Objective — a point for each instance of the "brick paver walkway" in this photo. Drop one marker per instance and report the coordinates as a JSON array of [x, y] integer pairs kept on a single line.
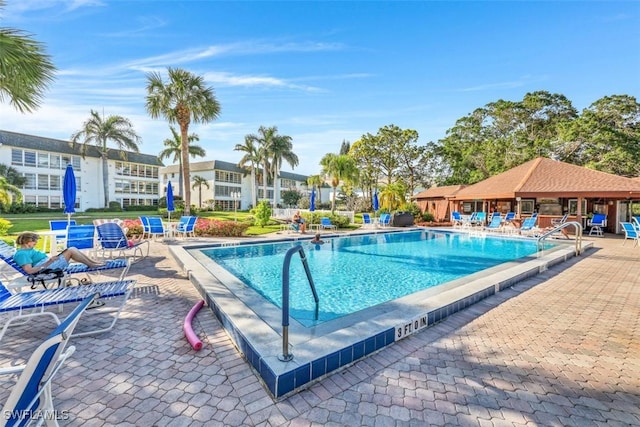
[[562, 349]]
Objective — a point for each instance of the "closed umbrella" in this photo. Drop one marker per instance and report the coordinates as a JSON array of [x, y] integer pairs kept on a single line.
[[170, 206], [312, 203], [69, 192], [376, 204]]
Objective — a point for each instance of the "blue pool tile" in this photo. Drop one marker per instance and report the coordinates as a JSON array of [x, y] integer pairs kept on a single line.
[[302, 375], [269, 378], [346, 356], [358, 350], [286, 383], [369, 345], [333, 361], [318, 368]]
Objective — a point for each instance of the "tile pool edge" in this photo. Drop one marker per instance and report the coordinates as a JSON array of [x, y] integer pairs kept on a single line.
[[317, 356]]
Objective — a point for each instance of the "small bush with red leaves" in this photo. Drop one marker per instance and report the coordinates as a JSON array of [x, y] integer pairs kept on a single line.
[[218, 228]]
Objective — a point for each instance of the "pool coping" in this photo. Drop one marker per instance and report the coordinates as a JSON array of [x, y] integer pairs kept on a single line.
[[255, 327]]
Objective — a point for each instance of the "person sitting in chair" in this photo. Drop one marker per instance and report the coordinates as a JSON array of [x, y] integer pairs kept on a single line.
[[299, 221], [33, 261]]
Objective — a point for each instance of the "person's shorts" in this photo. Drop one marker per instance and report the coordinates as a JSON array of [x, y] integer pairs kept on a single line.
[[61, 263]]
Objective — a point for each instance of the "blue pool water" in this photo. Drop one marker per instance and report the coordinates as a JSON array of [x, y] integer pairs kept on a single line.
[[357, 272]]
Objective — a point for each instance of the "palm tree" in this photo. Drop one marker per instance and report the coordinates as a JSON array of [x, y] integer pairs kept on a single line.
[[316, 181], [182, 99], [12, 175], [340, 167], [252, 158], [25, 69], [199, 181], [98, 131], [393, 196], [8, 190], [279, 150], [174, 148], [263, 141]]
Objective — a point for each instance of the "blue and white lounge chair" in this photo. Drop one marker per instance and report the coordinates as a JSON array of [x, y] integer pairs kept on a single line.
[[597, 223], [31, 395], [112, 241], [509, 217], [558, 221], [495, 224], [385, 220], [528, 226], [18, 277], [24, 305], [457, 219], [366, 220], [630, 232], [325, 223]]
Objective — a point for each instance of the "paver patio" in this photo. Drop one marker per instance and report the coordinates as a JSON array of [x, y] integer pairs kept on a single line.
[[561, 349]]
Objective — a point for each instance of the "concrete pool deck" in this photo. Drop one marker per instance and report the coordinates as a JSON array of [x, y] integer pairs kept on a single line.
[[561, 348]]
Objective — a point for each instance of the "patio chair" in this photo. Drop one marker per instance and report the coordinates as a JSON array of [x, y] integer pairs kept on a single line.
[[325, 223], [558, 221], [20, 278], [187, 226], [528, 226], [146, 228], [509, 217], [457, 219], [385, 220], [635, 222], [480, 218], [597, 223], [630, 232], [31, 396], [23, 306], [156, 227], [366, 220], [62, 226], [112, 241]]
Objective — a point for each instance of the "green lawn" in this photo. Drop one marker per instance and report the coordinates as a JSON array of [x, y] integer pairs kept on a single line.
[[40, 221]]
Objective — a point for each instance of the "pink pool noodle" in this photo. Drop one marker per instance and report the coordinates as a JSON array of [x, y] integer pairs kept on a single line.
[[188, 329]]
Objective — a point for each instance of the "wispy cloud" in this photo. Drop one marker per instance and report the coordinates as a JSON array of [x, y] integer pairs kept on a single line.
[[16, 9], [523, 81], [147, 25]]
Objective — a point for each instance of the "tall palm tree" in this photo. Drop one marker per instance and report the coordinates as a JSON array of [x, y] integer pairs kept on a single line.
[[316, 181], [199, 181], [12, 175], [25, 69], [183, 98], [252, 159], [263, 140], [279, 150], [339, 167], [99, 131], [174, 148]]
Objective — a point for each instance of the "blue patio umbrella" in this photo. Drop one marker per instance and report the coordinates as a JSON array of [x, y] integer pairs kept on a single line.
[[376, 204], [312, 203], [69, 192], [170, 206]]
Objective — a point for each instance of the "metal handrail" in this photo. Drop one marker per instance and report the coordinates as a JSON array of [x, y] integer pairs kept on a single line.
[[554, 230], [286, 356]]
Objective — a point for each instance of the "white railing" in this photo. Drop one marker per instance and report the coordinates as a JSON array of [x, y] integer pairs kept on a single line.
[[285, 214]]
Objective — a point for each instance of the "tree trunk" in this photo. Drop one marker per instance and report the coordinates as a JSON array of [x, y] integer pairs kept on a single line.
[[253, 186], [105, 179], [186, 174]]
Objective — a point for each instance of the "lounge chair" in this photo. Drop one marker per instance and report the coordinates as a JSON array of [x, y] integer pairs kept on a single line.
[[495, 224], [31, 396], [112, 241], [156, 227], [630, 232], [325, 223], [528, 226], [20, 278], [479, 219], [26, 305], [635, 222], [60, 225], [597, 223], [509, 217], [146, 228], [558, 221]]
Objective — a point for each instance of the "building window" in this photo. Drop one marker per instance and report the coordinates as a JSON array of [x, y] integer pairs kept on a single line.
[[54, 182], [55, 161], [43, 183], [30, 158], [231, 177], [16, 157], [43, 160], [30, 200], [55, 202], [30, 183]]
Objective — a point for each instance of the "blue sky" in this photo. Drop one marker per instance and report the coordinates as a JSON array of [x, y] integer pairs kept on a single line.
[[322, 72]]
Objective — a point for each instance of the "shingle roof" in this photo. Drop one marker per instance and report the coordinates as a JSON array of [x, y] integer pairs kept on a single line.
[[544, 177], [40, 143], [439, 192]]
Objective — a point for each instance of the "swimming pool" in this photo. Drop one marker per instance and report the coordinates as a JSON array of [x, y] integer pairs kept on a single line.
[[359, 272], [256, 325]]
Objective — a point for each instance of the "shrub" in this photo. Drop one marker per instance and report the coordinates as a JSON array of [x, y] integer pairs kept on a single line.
[[215, 227], [262, 213], [5, 225], [133, 227], [428, 217]]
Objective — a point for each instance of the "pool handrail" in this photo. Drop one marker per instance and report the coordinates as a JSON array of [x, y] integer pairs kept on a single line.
[[286, 356], [554, 230]]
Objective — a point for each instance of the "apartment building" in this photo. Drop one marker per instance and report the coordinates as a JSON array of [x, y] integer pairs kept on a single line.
[[133, 178]]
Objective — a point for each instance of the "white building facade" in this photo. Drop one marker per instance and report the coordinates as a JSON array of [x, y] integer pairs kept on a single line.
[[133, 177], [229, 186]]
